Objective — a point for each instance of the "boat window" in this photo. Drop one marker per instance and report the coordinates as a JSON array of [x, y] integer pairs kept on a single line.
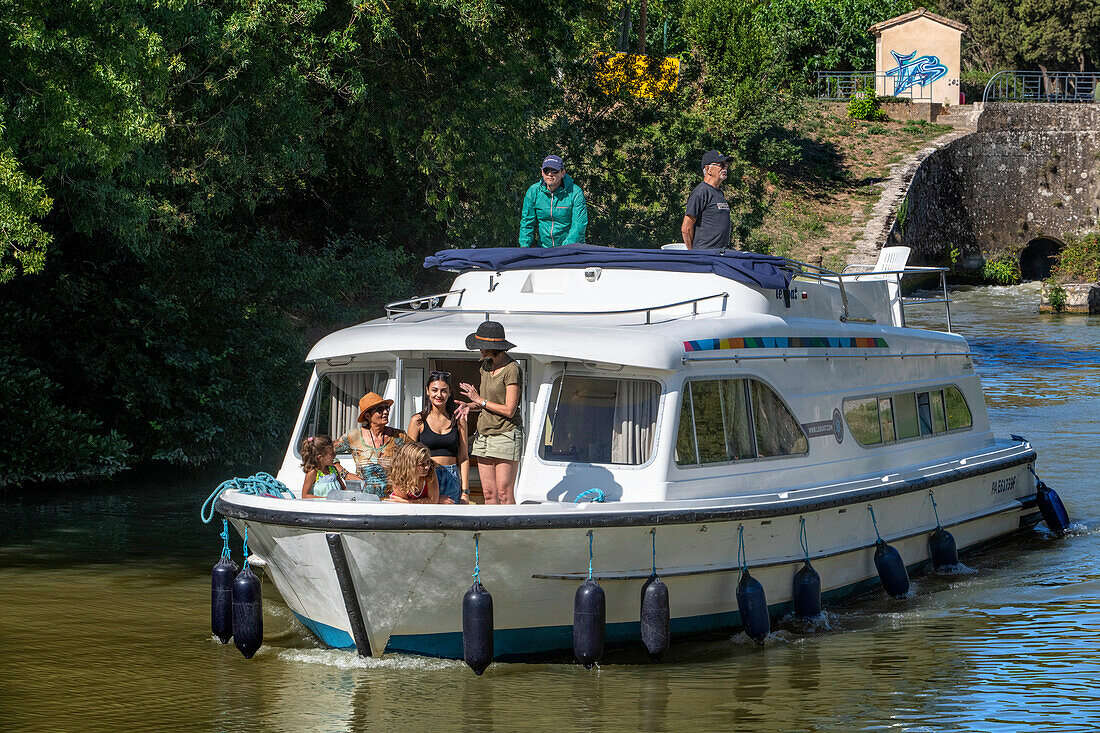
[[886, 419], [600, 420], [863, 421], [874, 421], [715, 424], [939, 424], [335, 406], [924, 412], [905, 415], [958, 414], [777, 432]]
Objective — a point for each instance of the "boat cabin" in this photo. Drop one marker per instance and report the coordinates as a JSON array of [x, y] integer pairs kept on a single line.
[[670, 376]]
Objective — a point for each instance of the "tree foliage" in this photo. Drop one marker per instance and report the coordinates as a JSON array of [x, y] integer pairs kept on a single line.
[[812, 35], [191, 191], [1029, 34]]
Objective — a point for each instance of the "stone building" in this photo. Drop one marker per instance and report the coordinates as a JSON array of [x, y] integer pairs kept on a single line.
[[918, 55]]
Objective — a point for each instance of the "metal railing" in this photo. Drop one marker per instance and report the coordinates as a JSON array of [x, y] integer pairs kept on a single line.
[[404, 307], [434, 303], [822, 274], [853, 273], [841, 86], [422, 303], [1042, 86]]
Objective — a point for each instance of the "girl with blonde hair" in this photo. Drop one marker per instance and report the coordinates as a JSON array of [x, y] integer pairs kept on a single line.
[[412, 477]]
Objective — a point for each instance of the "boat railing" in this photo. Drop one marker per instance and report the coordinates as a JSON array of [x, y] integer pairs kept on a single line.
[[863, 273], [433, 303], [422, 303]]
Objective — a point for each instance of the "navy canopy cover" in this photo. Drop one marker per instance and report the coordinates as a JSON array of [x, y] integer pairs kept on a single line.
[[765, 271]]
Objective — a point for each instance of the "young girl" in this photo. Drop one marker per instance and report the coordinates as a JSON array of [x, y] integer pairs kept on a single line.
[[323, 473], [412, 478], [444, 434]]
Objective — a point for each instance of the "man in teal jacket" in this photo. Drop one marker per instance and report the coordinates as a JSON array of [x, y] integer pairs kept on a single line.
[[557, 205]]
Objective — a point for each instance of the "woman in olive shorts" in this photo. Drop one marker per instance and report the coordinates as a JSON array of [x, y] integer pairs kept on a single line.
[[499, 440]]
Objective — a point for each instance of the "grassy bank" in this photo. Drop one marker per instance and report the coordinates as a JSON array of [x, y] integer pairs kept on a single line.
[[816, 213]]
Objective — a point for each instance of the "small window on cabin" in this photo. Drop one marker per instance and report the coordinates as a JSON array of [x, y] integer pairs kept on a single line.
[[924, 412], [863, 420], [958, 414], [334, 409], [874, 421], [939, 422], [600, 420], [905, 415], [777, 432], [715, 425], [886, 419]]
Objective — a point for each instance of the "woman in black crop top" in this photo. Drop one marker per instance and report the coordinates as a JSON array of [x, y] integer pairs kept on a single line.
[[445, 436]]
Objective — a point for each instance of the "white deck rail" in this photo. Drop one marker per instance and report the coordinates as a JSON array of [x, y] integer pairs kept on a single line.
[[413, 305]]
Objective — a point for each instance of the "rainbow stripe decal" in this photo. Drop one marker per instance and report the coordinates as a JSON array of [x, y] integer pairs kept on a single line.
[[786, 342]]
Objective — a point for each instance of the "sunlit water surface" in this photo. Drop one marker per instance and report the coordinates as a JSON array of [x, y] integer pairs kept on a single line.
[[104, 614]]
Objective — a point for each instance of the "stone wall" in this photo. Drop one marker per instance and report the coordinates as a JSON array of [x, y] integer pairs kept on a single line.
[[1030, 170]]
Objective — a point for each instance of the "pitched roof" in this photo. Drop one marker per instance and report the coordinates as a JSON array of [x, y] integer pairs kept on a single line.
[[919, 12]]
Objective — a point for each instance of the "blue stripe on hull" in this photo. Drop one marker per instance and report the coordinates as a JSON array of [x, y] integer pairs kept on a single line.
[[514, 644], [509, 644], [328, 635]]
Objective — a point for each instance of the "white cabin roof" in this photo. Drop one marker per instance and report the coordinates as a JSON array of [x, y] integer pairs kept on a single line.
[[562, 314]]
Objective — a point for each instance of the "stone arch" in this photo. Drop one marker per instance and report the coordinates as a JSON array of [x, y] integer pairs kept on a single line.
[[1037, 259]]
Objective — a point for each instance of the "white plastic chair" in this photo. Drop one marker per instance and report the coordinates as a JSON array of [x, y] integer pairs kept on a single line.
[[891, 259], [674, 245], [891, 262]]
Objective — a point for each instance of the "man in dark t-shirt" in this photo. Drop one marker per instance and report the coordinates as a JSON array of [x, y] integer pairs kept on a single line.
[[707, 219]]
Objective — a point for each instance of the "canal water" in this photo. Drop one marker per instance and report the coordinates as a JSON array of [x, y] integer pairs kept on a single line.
[[104, 613]]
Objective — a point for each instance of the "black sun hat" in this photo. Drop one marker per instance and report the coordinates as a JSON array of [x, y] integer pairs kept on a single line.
[[489, 335]]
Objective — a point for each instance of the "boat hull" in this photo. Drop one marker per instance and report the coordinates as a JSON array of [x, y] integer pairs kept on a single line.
[[406, 583]]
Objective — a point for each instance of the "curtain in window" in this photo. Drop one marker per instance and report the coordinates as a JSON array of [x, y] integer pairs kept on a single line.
[[634, 420], [346, 390]]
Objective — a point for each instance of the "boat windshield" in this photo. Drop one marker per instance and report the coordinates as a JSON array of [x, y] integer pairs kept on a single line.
[[600, 420], [334, 408]]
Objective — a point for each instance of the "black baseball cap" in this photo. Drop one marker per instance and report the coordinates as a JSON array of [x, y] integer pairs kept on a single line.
[[713, 156]]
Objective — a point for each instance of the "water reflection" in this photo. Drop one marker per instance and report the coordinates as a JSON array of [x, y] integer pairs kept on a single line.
[[105, 619], [1025, 358]]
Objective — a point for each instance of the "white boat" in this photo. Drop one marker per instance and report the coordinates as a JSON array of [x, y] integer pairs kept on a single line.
[[711, 399]]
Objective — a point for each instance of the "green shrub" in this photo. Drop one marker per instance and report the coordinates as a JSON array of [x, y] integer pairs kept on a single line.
[[876, 130], [972, 83], [865, 106], [1080, 260], [1003, 270], [1057, 295]]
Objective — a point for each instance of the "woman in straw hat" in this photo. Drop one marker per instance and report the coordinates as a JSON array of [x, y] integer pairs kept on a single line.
[[499, 440], [374, 443]]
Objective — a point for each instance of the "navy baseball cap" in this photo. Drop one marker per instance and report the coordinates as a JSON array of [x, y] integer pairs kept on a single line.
[[553, 161], [713, 156]]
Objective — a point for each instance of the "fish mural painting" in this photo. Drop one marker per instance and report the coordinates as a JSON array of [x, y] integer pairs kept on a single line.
[[913, 70]]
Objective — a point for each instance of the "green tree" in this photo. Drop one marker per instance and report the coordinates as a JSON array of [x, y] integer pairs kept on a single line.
[[1060, 34], [229, 178], [748, 98], [23, 242], [811, 35], [1029, 34]]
